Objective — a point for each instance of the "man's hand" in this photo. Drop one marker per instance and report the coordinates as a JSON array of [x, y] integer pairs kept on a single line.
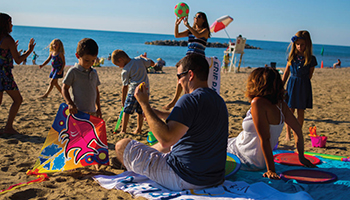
[[141, 94]]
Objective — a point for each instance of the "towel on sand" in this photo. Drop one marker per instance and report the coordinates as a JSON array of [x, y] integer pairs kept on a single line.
[[243, 185], [139, 185]]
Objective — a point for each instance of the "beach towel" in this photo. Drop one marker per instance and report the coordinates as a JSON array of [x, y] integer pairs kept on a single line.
[[214, 76], [244, 185], [138, 185]]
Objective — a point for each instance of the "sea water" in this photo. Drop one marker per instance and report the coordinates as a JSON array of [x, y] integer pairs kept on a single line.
[[134, 45]]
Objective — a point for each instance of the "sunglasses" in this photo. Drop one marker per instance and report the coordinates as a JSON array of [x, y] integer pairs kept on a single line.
[[198, 16], [181, 74]]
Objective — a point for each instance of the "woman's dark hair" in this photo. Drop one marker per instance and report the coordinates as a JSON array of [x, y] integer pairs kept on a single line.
[[265, 82], [205, 23]]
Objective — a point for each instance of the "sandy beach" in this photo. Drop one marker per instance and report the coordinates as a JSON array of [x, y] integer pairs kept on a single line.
[[330, 114]]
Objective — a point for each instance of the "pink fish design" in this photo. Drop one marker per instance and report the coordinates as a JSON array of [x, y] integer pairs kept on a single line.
[[79, 134]]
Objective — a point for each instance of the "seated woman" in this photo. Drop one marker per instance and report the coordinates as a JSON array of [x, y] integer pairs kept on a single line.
[[264, 123]]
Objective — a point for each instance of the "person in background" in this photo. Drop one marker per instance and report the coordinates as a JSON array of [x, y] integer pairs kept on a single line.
[[134, 72], [301, 65], [264, 122], [337, 64], [226, 62], [35, 56], [9, 53], [25, 60], [58, 63], [159, 65]]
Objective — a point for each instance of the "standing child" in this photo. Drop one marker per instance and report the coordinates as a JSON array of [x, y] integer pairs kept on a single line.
[[226, 62], [134, 72], [35, 56], [84, 81], [8, 52], [301, 64], [58, 62]]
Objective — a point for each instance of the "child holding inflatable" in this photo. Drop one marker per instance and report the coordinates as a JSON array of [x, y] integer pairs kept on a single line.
[[300, 66], [58, 63], [9, 52]]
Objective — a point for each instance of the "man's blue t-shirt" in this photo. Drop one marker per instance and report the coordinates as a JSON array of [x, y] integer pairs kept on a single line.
[[199, 157]]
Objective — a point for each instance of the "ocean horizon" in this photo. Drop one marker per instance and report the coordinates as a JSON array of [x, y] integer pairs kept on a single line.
[[134, 45]]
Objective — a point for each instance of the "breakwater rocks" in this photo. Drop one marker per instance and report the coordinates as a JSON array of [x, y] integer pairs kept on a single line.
[[183, 43]]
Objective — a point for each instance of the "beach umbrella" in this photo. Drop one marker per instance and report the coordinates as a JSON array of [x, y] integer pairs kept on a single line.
[[220, 24]]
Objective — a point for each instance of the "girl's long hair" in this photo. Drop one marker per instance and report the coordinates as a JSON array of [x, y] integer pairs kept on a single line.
[[60, 49], [4, 24], [305, 35]]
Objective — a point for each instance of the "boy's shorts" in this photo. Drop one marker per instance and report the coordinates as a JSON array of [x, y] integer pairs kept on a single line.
[[147, 161], [131, 105]]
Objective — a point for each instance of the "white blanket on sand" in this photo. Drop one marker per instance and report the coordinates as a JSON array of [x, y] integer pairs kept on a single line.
[[138, 185]]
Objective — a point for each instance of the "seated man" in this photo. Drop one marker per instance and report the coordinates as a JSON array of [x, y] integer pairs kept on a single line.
[[196, 130]]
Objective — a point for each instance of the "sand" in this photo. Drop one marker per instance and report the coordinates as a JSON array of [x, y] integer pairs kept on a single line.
[[330, 115]]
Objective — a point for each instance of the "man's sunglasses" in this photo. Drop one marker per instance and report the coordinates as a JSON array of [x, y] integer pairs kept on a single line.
[[181, 74]]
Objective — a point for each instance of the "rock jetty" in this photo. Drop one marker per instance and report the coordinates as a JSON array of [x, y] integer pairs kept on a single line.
[[183, 43]]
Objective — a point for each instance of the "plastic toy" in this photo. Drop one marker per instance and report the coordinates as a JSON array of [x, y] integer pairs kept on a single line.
[[332, 157], [119, 121], [181, 10], [316, 140], [151, 139]]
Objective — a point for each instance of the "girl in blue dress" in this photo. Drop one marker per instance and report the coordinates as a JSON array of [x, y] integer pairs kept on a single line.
[[300, 66], [58, 62], [8, 54]]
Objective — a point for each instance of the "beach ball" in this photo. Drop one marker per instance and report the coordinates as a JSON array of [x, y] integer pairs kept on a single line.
[[182, 10]]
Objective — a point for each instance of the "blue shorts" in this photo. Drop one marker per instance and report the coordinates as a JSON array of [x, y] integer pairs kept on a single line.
[[131, 105]]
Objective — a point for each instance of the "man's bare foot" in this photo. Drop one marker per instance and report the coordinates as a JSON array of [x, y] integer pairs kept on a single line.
[[122, 132], [114, 162]]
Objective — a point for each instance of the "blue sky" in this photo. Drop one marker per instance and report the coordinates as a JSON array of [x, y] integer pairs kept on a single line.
[[272, 20]]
